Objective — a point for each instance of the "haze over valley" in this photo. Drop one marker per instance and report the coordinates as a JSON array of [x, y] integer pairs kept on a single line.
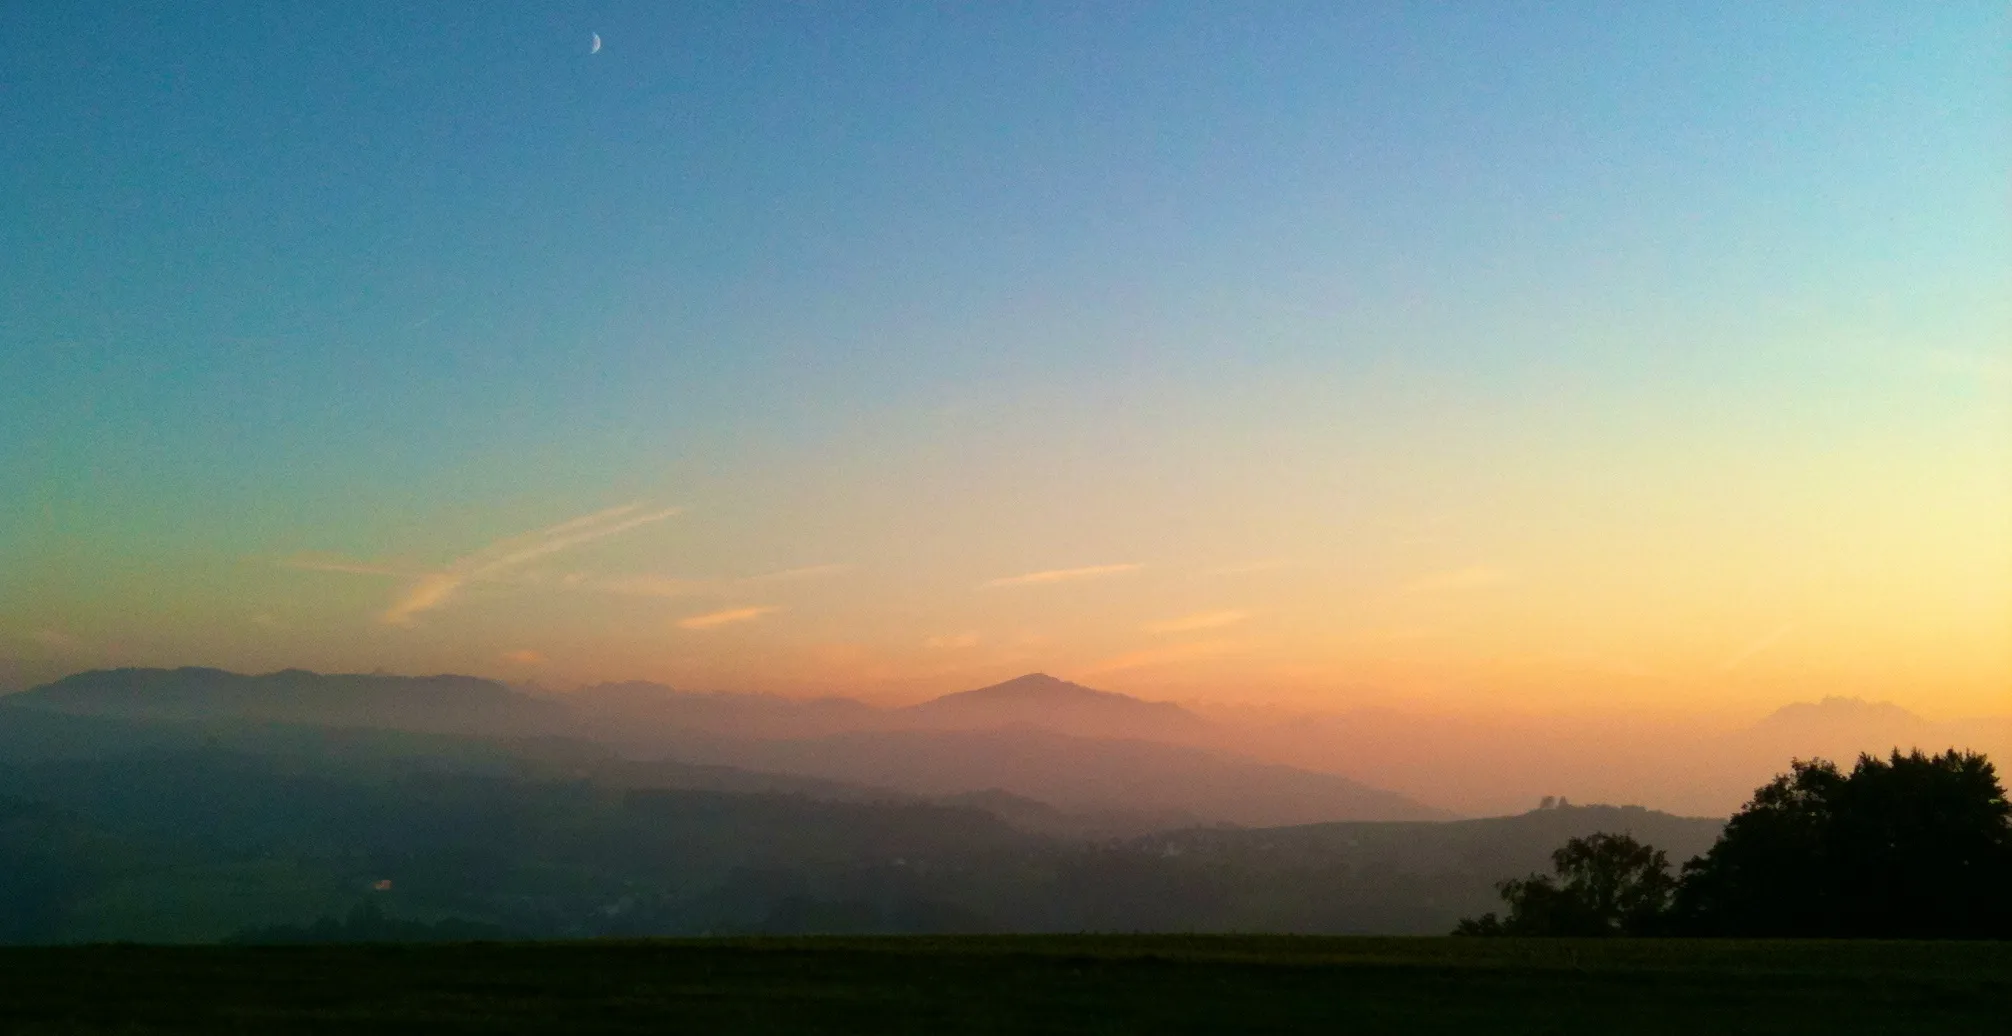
[[561, 470], [1068, 746]]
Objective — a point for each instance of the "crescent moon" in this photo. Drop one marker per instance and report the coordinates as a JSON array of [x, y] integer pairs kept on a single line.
[[596, 48]]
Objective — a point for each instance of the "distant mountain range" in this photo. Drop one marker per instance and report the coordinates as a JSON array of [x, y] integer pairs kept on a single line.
[[1485, 764], [1038, 699], [444, 704], [1133, 764], [195, 804], [1840, 729], [1073, 748]]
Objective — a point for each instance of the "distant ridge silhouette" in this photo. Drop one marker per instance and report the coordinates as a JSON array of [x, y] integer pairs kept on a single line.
[[443, 703], [1035, 687], [1839, 711], [1040, 700], [1082, 750]]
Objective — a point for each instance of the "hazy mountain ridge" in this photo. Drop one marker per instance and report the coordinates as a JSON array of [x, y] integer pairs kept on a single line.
[[1017, 737], [636, 708], [1076, 774], [1038, 699], [1475, 765], [1498, 764], [1840, 728], [445, 703]]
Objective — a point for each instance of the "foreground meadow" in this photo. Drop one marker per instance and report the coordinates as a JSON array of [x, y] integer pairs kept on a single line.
[[1088, 984]]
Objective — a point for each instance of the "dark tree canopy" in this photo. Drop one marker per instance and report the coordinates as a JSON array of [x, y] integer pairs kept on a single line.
[[1606, 884], [1915, 846]]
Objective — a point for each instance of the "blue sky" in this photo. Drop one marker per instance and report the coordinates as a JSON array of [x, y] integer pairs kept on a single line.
[[898, 286]]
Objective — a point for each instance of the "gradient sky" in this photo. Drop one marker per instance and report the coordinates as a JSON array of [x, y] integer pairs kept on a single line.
[[1478, 355]]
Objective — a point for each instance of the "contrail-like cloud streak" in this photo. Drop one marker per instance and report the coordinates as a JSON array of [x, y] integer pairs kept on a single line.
[[433, 589], [344, 566], [1198, 621], [1739, 658], [713, 620], [1062, 575]]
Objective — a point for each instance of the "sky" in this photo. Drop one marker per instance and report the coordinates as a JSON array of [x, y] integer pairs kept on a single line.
[[1472, 357]]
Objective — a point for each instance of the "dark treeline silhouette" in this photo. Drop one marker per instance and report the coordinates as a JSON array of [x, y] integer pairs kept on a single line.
[[1914, 846], [1607, 884]]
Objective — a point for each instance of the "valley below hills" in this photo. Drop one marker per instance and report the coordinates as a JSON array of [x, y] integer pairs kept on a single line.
[[197, 805]]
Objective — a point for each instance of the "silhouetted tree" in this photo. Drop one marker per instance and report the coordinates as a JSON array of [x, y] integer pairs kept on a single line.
[[1915, 846], [1606, 884]]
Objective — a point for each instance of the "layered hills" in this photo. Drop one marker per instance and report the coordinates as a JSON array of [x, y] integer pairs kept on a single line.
[[1041, 700], [446, 703], [198, 805], [1081, 751], [1042, 738]]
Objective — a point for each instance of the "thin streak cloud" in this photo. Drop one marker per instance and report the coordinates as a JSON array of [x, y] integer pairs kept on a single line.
[[671, 586], [1740, 657], [1169, 655], [1197, 621], [434, 589], [1247, 568], [791, 575], [310, 563], [714, 620], [1061, 575]]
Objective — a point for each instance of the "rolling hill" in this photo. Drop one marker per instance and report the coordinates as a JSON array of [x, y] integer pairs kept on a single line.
[[1040, 700], [1076, 749], [443, 704]]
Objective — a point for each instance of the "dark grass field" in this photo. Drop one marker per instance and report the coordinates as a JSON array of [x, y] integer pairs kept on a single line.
[[1088, 984]]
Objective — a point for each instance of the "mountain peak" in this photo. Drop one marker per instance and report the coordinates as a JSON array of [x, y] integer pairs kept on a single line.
[[1038, 699], [434, 703], [1035, 687], [1841, 710]]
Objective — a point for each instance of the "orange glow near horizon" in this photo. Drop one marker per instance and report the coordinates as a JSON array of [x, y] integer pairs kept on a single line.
[[1386, 357]]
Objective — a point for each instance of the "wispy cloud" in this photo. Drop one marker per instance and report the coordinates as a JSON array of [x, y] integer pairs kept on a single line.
[[1062, 575], [325, 563], [672, 586], [1197, 621], [524, 656], [713, 620], [951, 642], [1168, 655], [1246, 568], [792, 575], [1397, 634], [1739, 658], [433, 589], [1472, 578], [503, 562]]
